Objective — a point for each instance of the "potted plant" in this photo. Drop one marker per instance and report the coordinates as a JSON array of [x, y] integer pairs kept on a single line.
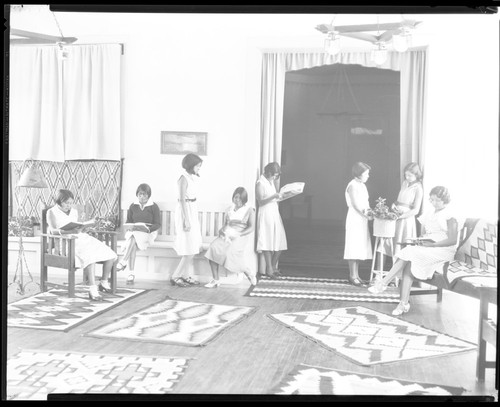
[[384, 219]]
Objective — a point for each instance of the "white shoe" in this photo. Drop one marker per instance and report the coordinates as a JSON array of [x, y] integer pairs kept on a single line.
[[377, 288], [401, 309], [213, 283]]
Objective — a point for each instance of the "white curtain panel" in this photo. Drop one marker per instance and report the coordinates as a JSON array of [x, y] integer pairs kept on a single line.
[[65, 110], [91, 96], [35, 104]]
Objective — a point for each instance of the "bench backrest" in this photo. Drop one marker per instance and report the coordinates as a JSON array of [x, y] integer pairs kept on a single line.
[[211, 217], [478, 244]]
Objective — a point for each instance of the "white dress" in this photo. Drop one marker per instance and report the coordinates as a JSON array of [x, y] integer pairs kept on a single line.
[[358, 245], [142, 239], [187, 243], [407, 200], [270, 230], [88, 249], [238, 255], [425, 260]]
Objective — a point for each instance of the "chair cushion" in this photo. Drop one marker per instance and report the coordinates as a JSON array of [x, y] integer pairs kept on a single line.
[[480, 249], [458, 270]]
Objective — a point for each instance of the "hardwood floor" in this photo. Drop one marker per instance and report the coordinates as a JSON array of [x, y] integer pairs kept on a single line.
[[257, 353]]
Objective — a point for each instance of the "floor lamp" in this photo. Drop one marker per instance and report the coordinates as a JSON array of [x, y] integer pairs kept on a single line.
[[32, 177]]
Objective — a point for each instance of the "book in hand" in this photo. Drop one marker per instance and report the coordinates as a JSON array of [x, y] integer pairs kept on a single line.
[[74, 225], [290, 190], [417, 241], [138, 226]]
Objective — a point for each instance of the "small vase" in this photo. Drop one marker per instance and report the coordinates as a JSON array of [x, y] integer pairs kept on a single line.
[[384, 227]]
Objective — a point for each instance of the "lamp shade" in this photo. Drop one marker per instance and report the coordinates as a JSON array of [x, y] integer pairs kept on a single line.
[[32, 178]]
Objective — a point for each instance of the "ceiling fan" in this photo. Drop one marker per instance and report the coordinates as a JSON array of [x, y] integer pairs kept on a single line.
[[21, 37], [385, 31]]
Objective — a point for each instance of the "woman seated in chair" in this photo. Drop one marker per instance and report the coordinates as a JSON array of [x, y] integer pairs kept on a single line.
[[234, 247], [440, 229], [136, 237], [88, 250]]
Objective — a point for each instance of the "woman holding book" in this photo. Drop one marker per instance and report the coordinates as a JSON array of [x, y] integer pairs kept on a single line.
[[143, 223], [187, 226], [408, 205], [419, 260], [234, 247], [271, 237], [358, 245], [88, 249]]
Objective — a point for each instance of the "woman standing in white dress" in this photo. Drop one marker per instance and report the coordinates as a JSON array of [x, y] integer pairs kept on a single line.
[[408, 205], [358, 244], [187, 226], [271, 237], [88, 249], [234, 247], [420, 261]]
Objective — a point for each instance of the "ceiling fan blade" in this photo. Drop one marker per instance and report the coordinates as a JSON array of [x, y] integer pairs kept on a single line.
[[384, 37], [41, 38], [324, 28], [361, 36]]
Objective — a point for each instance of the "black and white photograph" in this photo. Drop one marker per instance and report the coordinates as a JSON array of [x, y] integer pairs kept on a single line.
[[237, 201]]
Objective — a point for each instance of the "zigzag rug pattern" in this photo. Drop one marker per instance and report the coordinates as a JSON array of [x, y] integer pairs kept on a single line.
[[369, 337], [175, 322], [304, 379], [54, 310], [319, 288], [32, 375]]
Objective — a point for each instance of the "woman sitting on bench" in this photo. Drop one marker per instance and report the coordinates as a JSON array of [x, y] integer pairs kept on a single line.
[[420, 258]]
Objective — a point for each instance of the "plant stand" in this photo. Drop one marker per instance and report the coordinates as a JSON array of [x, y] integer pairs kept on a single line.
[[384, 231]]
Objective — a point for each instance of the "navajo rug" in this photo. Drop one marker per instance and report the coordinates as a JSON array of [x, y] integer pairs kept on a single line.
[[175, 322], [54, 310], [32, 375], [319, 288], [304, 379], [369, 337]]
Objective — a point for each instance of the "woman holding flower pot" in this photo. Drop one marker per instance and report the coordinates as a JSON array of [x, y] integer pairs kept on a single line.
[[358, 244]]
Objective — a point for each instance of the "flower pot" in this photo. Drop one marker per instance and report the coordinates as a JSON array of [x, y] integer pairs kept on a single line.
[[384, 227]]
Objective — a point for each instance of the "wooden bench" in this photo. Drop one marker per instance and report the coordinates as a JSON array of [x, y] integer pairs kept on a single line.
[[473, 272], [159, 260]]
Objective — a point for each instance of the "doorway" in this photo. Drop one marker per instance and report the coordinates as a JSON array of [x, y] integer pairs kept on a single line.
[[334, 116]]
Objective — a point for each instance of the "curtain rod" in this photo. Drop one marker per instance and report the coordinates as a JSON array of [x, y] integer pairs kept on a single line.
[[72, 45]]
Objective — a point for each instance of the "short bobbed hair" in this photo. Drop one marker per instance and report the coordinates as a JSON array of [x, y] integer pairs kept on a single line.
[[63, 195], [441, 193], [143, 188], [415, 169], [243, 194], [359, 168], [272, 169], [190, 161]]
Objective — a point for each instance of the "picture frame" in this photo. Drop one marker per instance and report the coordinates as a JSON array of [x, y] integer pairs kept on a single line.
[[184, 142]]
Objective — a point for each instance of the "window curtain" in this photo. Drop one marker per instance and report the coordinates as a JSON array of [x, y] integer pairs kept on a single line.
[[411, 64], [65, 110]]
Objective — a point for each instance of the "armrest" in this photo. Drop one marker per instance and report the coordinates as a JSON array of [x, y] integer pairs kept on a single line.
[[64, 237]]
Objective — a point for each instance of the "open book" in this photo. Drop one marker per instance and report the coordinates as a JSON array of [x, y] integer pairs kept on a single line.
[[417, 241], [139, 226], [292, 189], [73, 225]]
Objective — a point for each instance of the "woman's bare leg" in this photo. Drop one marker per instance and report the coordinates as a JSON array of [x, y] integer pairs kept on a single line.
[[276, 259], [406, 283], [180, 268], [353, 269], [269, 262], [396, 269], [215, 269]]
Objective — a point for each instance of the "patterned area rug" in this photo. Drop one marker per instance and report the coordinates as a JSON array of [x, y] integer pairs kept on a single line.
[[319, 288], [54, 310], [175, 322], [369, 337], [31, 375], [304, 379]]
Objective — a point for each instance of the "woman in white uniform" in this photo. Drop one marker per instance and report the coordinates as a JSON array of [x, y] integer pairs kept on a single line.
[[440, 226], [88, 249], [358, 245], [271, 237], [187, 226]]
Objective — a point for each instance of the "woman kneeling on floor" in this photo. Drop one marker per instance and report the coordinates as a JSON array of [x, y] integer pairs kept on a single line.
[[440, 227], [234, 247]]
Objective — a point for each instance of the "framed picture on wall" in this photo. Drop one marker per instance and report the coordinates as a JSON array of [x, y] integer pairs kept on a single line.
[[183, 142]]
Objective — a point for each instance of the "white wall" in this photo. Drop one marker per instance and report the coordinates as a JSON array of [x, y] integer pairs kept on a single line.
[[189, 72]]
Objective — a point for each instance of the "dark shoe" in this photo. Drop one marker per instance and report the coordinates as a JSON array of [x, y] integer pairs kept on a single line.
[[190, 281], [272, 276], [179, 282], [277, 273], [103, 289], [357, 282]]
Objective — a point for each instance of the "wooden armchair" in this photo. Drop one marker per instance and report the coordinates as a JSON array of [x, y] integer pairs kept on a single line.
[[487, 332], [59, 251]]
